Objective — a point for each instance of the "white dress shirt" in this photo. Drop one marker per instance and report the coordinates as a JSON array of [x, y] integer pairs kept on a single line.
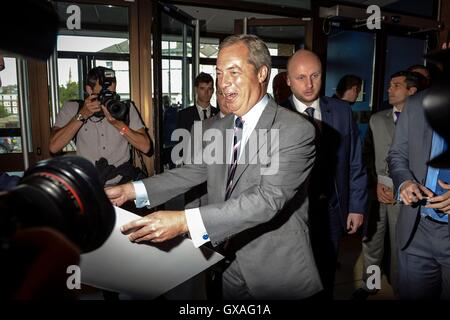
[[194, 219], [395, 109], [301, 107], [200, 111]]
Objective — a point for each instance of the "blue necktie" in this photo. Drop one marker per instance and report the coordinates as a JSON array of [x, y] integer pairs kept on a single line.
[[238, 125], [205, 115], [397, 115], [310, 112]]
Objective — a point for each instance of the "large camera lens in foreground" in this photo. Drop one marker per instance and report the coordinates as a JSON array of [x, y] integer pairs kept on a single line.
[[63, 193]]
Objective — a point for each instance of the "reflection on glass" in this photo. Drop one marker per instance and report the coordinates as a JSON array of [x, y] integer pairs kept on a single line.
[[10, 145], [9, 107], [68, 87]]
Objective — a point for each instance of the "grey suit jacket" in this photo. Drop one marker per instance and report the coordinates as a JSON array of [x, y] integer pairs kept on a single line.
[[266, 215], [408, 158], [382, 129]]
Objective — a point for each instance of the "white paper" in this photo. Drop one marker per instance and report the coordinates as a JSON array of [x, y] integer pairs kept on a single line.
[[143, 270]]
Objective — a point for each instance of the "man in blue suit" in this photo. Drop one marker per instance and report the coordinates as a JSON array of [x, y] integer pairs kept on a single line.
[[338, 185]]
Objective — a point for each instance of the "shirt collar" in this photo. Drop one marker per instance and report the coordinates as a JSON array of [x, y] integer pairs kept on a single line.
[[252, 116], [395, 109], [301, 107]]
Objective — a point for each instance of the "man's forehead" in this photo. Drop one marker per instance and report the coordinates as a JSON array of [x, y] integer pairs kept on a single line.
[[400, 80], [205, 84]]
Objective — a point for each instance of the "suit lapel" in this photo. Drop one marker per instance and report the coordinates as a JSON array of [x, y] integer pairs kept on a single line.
[[196, 116], [427, 141], [265, 122], [389, 124], [325, 110]]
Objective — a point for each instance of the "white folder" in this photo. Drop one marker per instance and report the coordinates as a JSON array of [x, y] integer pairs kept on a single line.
[[143, 270]]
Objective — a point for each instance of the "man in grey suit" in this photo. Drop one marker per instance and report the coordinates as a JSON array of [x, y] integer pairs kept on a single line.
[[259, 215], [384, 210], [423, 234]]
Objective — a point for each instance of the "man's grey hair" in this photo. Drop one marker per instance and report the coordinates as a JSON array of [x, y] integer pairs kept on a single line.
[[258, 53]]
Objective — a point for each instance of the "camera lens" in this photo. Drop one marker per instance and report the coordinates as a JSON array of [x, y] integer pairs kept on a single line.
[[117, 109], [63, 193]]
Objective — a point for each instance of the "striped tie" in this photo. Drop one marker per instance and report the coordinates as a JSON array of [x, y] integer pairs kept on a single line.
[[238, 124]]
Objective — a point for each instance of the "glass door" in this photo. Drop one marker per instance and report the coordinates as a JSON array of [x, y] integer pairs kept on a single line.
[[174, 52]]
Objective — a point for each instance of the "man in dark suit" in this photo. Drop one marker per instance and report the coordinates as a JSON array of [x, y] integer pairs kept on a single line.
[[338, 188], [423, 234], [202, 109], [260, 214]]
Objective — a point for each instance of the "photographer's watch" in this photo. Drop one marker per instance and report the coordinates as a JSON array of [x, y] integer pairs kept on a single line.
[[80, 117]]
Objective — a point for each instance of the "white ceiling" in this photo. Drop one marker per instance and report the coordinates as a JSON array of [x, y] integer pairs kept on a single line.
[[218, 20]]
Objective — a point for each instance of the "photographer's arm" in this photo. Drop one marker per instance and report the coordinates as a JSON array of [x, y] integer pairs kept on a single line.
[[138, 138], [61, 136]]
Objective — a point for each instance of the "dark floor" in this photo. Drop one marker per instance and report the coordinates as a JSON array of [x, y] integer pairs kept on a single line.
[[348, 276]]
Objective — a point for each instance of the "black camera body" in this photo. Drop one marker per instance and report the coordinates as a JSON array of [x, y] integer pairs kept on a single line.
[[111, 100]]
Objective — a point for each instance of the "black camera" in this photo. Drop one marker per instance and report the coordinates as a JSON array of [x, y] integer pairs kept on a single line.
[[111, 100], [62, 193]]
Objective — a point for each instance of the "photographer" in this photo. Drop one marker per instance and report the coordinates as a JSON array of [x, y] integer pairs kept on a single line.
[[100, 137]]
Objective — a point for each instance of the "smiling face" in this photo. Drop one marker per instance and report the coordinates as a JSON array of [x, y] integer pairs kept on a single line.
[[305, 76], [241, 84]]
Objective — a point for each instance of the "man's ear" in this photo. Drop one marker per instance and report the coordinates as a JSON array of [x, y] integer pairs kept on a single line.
[[263, 73], [288, 81], [412, 91], [88, 89]]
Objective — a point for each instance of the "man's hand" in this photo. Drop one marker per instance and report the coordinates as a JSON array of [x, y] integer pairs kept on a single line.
[[113, 121], [412, 192], [120, 194], [385, 194], [354, 221], [91, 105], [441, 202], [156, 227]]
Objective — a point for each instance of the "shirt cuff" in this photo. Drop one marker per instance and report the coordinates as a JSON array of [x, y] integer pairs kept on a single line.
[[398, 191], [196, 227], [141, 194]]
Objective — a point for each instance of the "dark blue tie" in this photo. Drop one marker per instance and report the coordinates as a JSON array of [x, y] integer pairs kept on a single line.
[[310, 112], [397, 115], [238, 125], [205, 115]]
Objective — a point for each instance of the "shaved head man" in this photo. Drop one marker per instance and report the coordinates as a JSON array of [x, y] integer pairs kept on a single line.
[[305, 78], [338, 184]]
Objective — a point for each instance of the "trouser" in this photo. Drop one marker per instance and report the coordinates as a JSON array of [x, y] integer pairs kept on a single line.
[[382, 220], [424, 266], [326, 233]]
